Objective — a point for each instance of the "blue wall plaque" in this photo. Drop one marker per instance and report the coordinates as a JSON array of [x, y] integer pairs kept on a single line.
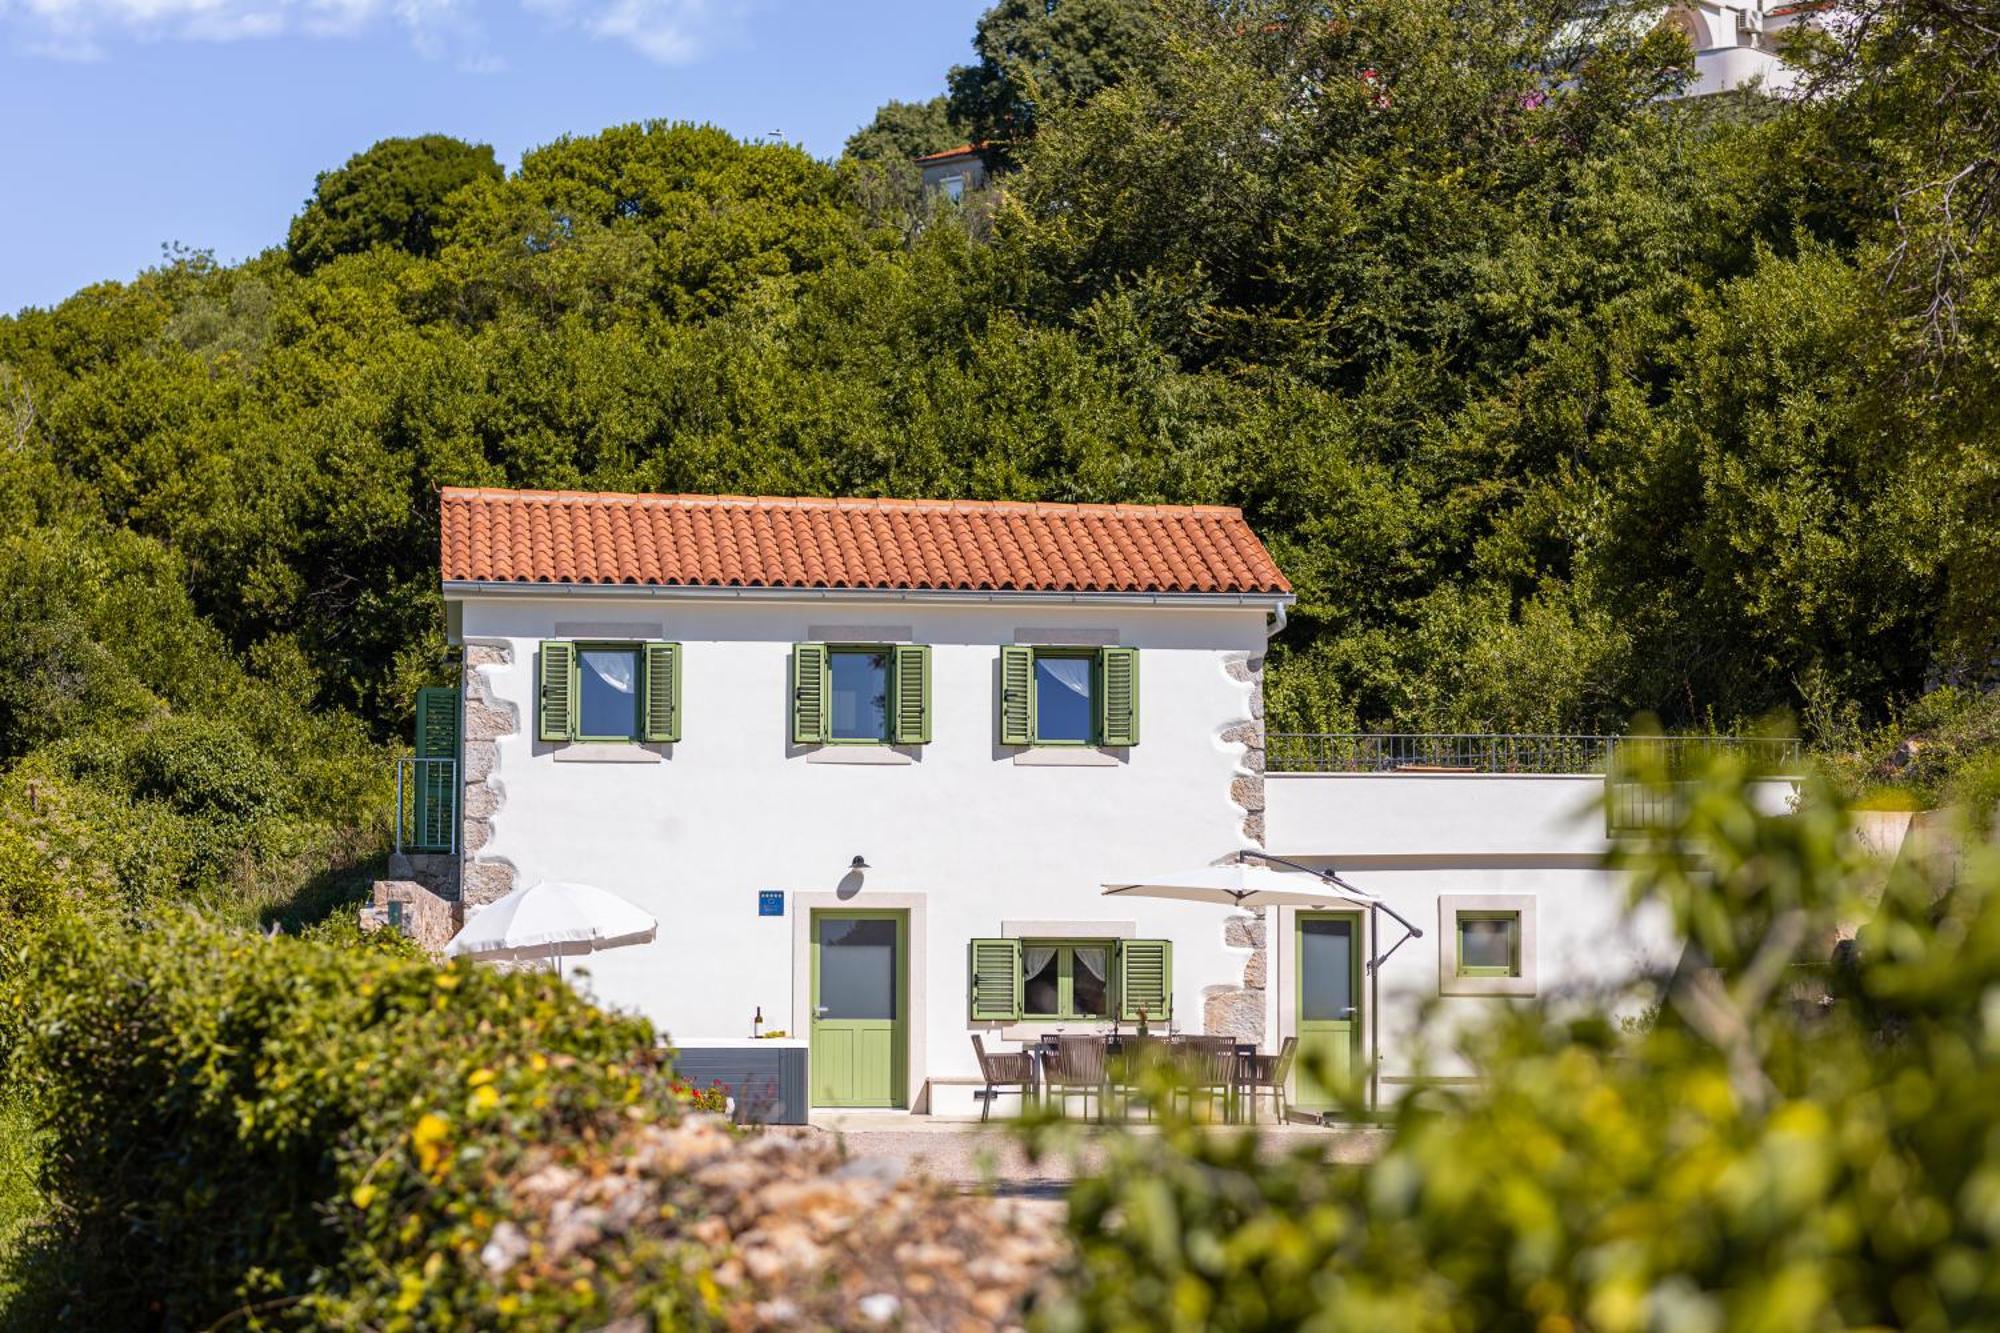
[[770, 902]]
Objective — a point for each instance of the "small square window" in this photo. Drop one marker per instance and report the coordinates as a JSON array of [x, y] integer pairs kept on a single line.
[[1489, 944], [1065, 698], [954, 188], [859, 683], [608, 694]]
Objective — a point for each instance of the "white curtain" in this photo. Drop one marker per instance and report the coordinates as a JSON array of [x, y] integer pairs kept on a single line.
[[1092, 961], [1072, 673], [1035, 957], [614, 669]]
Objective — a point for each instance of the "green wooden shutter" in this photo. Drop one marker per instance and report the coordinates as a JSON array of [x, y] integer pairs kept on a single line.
[[558, 688], [437, 777], [1017, 695], [1145, 979], [996, 979], [663, 691], [809, 693], [911, 722], [1118, 696], [437, 722]]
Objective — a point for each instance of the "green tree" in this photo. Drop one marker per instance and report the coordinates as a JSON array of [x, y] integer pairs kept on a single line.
[[393, 194], [1037, 55]]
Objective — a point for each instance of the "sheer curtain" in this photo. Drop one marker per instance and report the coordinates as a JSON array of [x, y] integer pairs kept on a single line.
[[614, 669], [1072, 673], [1035, 957], [1091, 960]]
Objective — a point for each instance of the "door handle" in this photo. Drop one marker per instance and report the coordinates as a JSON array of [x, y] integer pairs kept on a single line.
[[1348, 1012], [819, 1011]]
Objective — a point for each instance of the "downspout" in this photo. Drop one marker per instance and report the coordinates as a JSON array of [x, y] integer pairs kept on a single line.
[[1277, 624], [1374, 1013]]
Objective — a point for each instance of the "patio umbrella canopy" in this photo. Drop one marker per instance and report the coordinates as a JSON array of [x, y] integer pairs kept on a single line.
[[551, 919], [1241, 884]]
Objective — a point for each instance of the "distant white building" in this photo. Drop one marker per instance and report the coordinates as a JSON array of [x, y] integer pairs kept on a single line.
[[1736, 42], [871, 762]]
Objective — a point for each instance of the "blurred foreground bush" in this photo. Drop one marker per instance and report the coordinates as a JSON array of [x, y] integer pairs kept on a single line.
[[1788, 1147], [291, 1131]]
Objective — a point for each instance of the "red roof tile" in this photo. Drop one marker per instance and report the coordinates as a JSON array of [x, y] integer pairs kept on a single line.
[[727, 541], [963, 150]]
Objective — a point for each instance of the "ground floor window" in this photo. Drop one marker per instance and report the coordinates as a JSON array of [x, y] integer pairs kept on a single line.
[[1063, 980], [1489, 944], [1486, 944], [1075, 979]]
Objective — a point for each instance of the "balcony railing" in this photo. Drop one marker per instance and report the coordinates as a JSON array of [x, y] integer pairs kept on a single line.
[[1629, 802], [426, 805], [1521, 752]]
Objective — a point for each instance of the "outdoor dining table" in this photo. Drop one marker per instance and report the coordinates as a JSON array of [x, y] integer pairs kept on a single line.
[[1242, 1062]]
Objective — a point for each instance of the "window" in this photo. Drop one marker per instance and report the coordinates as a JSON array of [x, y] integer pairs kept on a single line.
[[1069, 696], [1489, 944], [1065, 697], [856, 694], [954, 188], [1081, 980], [1065, 980], [609, 691], [1486, 944], [858, 680]]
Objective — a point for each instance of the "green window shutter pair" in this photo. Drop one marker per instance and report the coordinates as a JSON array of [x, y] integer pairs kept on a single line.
[[1144, 969], [909, 694], [1117, 695], [660, 705]]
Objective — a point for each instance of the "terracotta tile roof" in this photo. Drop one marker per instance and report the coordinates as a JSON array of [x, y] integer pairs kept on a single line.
[[963, 150], [493, 536]]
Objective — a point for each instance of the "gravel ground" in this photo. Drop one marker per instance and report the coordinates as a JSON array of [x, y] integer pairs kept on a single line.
[[973, 1156]]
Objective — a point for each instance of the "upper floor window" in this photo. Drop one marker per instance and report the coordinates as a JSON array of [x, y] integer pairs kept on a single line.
[[609, 691], [861, 694], [858, 681], [1069, 696]]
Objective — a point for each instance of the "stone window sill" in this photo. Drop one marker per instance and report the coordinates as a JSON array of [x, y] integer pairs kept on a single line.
[[585, 752], [1068, 756], [860, 754]]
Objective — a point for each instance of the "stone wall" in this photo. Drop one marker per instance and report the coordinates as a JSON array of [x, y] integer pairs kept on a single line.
[[1238, 1010], [428, 917], [487, 719]]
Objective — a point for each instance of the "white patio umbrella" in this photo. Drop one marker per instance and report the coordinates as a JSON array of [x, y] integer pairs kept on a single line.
[[1248, 882], [549, 920]]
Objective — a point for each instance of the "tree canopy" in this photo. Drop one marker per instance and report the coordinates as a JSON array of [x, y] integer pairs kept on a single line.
[[393, 194]]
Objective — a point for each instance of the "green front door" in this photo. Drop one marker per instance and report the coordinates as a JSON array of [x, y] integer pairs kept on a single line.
[[1328, 948], [860, 990]]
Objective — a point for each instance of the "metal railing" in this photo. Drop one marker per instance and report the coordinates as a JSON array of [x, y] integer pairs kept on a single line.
[[1491, 752], [426, 804]]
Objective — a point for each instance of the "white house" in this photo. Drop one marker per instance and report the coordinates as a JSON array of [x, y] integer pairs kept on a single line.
[[870, 762], [1738, 42]]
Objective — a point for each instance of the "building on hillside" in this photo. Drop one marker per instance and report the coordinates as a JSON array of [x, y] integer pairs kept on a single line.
[[1736, 42], [871, 762], [956, 172]]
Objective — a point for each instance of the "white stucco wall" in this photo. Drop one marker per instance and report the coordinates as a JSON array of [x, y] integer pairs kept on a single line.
[[1412, 838], [976, 838]]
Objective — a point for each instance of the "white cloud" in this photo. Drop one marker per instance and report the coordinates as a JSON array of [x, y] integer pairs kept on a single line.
[[668, 31]]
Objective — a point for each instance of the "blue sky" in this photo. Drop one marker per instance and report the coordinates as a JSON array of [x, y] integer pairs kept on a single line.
[[140, 122]]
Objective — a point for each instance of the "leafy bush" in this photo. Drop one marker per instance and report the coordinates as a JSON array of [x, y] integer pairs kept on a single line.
[[295, 1130], [1753, 1159]]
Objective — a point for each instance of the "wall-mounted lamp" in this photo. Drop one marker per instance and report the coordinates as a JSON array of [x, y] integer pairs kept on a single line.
[[859, 863]]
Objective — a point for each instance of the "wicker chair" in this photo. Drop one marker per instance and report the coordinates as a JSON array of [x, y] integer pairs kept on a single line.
[[1267, 1073], [1003, 1072], [1136, 1057], [1207, 1068], [1078, 1069]]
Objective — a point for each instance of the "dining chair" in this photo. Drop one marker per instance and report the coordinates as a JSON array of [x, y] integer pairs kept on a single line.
[[1078, 1069], [1004, 1072], [1267, 1073], [1207, 1069]]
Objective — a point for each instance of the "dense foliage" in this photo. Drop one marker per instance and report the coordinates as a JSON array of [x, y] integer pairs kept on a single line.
[[302, 1132], [1769, 1154]]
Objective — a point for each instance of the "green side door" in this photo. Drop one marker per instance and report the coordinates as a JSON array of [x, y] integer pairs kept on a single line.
[[860, 996], [1327, 946]]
